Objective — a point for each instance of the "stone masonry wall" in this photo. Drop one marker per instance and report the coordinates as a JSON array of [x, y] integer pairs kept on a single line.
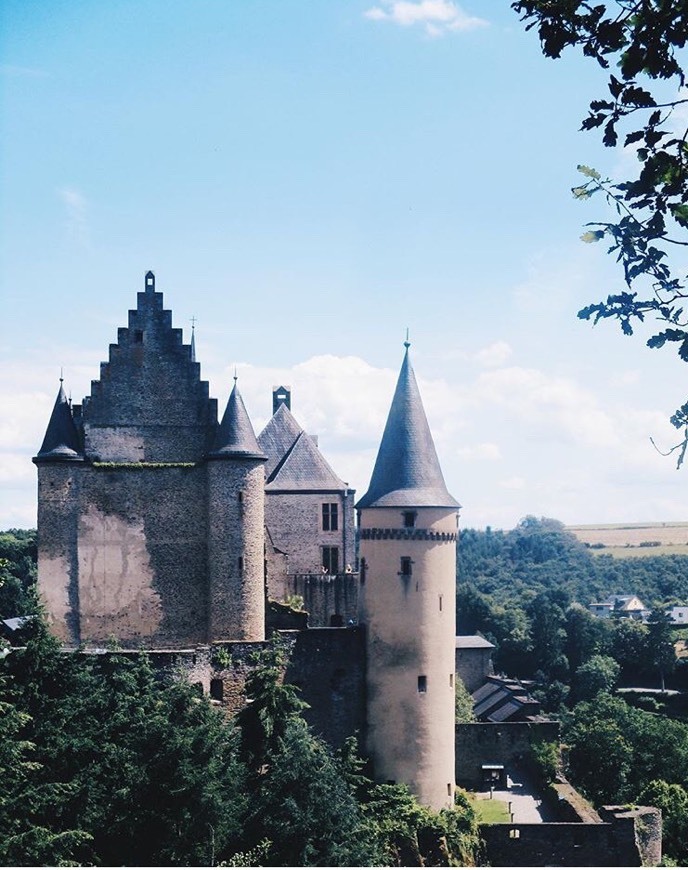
[[628, 839], [507, 743], [142, 550], [327, 665], [236, 550], [58, 501], [295, 523]]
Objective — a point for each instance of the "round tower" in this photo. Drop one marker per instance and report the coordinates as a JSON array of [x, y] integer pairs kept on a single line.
[[407, 533], [60, 462], [236, 517]]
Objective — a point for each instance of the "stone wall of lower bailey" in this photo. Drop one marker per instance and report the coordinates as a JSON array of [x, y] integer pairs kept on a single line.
[[327, 665], [507, 743], [628, 838]]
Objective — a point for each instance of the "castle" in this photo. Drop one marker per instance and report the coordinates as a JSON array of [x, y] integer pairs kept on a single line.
[[166, 530]]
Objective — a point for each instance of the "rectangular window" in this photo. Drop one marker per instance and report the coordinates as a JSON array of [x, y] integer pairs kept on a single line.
[[330, 518], [405, 569], [330, 560], [240, 562], [449, 789], [409, 519], [451, 681], [440, 602], [422, 683]]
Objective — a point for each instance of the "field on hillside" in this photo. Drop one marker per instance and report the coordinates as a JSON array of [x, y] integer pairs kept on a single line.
[[627, 540]]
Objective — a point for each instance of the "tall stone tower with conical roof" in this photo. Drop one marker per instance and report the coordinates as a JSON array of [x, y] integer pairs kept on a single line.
[[408, 531], [235, 528]]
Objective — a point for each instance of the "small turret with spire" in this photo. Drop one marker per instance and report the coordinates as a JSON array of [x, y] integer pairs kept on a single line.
[[61, 441], [236, 520]]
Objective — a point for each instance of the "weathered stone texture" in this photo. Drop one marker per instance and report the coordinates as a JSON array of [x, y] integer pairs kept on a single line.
[[409, 615], [624, 839], [143, 556], [236, 550], [58, 583], [149, 403], [295, 523], [507, 743]]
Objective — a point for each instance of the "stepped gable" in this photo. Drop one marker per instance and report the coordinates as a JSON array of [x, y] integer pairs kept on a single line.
[[407, 472], [277, 438], [235, 436], [304, 468], [61, 440], [150, 383]]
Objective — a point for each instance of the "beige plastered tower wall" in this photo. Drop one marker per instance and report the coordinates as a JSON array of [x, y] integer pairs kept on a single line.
[[407, 548], [410, 627]]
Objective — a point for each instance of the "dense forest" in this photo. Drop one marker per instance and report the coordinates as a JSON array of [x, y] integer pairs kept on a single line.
[[527, 591]]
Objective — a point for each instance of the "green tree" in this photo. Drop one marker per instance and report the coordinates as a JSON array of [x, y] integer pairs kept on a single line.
[[599, 756], [629, 646], [17, 573], [463, 702], [598, 674], [642, 40], [150, 773], [660, 643], [672, 800]]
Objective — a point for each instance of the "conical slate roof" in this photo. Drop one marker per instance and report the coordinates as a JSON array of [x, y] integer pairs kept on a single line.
[[235, 438], [407, 472], [304, 467], [61, 438]]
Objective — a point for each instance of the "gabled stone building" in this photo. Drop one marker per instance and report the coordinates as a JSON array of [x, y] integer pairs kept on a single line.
[[165, 530]]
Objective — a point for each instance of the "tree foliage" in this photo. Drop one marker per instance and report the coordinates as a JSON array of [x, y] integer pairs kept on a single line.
[[102, 764], [641, 43], [615, 750]]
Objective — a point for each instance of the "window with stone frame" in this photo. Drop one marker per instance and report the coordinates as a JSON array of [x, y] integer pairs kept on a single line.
[[330, 560], [330, 517]]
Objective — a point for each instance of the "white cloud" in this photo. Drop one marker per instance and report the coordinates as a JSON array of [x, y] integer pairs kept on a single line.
[[495, 354], [514, 482], [436, 16], [484, 451], [76, 207]]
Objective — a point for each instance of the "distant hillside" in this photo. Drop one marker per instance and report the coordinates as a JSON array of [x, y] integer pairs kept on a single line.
[[629, 540]]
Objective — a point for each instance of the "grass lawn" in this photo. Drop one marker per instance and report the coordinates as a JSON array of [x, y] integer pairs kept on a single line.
[[491, 812]]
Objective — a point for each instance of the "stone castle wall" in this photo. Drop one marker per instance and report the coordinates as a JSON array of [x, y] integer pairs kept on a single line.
[[295, 523], [507, 743], [628, 838]]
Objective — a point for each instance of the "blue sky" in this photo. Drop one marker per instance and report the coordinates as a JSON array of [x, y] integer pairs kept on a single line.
[[308, 180]]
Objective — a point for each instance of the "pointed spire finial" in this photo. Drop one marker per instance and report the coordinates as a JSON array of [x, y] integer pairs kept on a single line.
[[236, 376], [407, 343], [193, 339], [61, 374]]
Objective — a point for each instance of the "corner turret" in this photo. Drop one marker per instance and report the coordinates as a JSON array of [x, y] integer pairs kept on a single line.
[[236, 519], [62, 441], [235, 436]]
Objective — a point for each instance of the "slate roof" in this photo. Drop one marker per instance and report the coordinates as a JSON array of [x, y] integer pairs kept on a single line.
[[500, 699], [235, 436], [278, 438], [61, 437], [407, 472], [294, 460], [472, 641], [304, 467]]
